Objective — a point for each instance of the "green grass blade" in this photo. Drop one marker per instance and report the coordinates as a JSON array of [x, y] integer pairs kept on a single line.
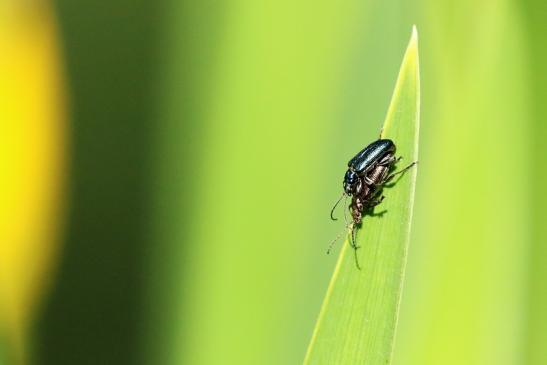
[[357, 322]]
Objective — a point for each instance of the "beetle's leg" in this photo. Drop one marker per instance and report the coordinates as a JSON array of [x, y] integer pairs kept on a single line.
[[373, 202], [356, 259], [381, 132], [387, 161], [400, 172], [354, 246], [352, 239], [377, 201], [377, 190]]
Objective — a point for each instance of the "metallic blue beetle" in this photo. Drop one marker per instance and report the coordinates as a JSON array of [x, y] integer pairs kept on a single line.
[[368, 172], [380, 152]]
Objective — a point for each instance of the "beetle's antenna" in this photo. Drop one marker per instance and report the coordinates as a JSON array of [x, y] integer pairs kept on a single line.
[[335, 205], [346, 229], [349, 228]]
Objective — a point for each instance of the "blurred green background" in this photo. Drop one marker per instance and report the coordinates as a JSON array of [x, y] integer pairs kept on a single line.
[[168, 168]]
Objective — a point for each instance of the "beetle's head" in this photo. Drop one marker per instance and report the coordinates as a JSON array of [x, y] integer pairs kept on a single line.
[[351, 181]]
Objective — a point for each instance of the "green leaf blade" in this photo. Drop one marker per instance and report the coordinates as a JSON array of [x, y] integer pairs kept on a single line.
[[358, 318]]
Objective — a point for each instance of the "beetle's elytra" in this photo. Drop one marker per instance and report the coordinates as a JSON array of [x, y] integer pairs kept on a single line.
[[368, 172]]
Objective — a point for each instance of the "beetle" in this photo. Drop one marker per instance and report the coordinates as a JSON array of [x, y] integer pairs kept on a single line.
[[368, 171], [379, 153]]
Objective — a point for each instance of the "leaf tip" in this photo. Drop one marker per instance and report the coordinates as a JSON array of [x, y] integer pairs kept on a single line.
[[414, 36], [413, 43], [410, 58]]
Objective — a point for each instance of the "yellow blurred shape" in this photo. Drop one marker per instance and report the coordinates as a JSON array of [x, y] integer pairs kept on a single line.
[[32, 162]]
